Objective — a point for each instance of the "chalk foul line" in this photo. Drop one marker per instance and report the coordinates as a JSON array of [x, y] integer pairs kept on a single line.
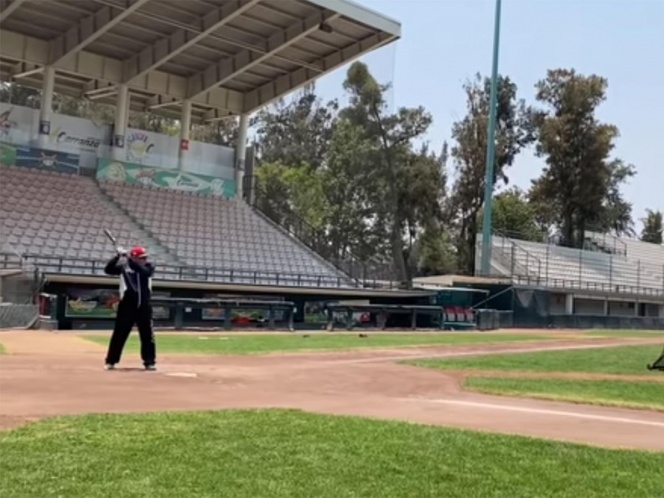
[[538, 411]]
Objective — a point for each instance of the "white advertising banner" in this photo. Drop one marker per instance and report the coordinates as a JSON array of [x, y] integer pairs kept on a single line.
[[19, 125]]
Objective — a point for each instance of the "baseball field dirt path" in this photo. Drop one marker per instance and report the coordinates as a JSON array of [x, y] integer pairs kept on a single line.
[[45, 374]]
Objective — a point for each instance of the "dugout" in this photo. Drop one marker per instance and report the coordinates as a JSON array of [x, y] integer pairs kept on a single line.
[[89, 302]]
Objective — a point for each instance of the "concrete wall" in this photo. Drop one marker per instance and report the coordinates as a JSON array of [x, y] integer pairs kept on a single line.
[[583, 306]]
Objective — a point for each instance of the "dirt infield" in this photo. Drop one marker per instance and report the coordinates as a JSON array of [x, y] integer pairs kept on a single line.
[[45, 374]]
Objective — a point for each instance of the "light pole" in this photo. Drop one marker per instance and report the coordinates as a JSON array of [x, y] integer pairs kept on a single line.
[[490, 150]]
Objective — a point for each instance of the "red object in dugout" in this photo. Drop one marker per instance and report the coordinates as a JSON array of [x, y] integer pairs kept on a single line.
[[184, 144]]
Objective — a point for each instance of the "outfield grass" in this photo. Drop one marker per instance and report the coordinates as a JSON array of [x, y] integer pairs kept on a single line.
[[274, 453], [614, 360], [266, 343], [626, 333], [628, 394]]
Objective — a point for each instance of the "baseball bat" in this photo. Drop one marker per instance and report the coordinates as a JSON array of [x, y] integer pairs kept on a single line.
[[108, 234]]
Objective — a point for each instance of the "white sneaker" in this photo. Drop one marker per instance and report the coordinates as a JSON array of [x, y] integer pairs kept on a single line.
[[151, 368], [109, 366]]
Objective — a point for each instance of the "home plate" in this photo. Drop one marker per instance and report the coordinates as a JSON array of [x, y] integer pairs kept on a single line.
[[182, 374]]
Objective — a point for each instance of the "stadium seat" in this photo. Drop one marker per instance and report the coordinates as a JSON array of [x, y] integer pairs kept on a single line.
[[639, 265], [62, 215], [213, 232]]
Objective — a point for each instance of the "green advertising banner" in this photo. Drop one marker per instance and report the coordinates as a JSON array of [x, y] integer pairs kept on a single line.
[[137, 174], [103, 303], [7, 154], [242, 315]]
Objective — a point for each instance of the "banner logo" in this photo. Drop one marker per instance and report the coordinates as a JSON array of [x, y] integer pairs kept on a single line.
[[139, 147]]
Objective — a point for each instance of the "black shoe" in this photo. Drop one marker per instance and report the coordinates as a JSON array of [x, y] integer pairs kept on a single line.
[[151, 368]]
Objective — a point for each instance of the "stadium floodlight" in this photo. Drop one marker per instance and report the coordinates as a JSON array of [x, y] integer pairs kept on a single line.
[[490, 150]]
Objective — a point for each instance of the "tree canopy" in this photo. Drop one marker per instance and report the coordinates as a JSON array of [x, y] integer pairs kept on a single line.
[[653, 227]]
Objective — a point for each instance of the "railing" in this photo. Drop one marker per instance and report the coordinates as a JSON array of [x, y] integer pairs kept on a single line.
[[562, 267], [608, 243], [317, 240], [516, 259], [563, 284], [87, 267]]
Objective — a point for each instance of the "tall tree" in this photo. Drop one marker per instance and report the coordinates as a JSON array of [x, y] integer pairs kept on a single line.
[[406, 183], [579, 181], [615, 215], [434, 253], [513, 133], [348, 180], [514, 216], [653, 227], [295, 132], [293, 190]]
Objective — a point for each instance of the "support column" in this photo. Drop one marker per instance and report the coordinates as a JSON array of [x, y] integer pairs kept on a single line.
[[606, 307], [46, 107], [185, 128], [118, 152], [241, 154], [569, 304]]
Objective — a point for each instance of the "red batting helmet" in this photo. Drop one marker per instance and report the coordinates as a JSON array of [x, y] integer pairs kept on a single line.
[[138, 252]]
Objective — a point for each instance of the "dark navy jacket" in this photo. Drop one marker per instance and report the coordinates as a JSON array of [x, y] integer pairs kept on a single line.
[[135, 280]]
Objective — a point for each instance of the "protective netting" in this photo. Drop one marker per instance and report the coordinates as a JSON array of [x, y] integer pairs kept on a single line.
[[530, 305]]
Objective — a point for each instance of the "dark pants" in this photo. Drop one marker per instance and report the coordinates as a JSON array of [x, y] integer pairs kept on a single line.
[[129, 315]]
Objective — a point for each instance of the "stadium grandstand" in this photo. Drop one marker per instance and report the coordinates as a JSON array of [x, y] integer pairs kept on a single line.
[[212, 232], [609, 276], [64, 179]]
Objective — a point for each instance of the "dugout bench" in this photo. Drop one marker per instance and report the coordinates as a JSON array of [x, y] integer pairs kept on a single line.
[[181, 305], [382, 310]]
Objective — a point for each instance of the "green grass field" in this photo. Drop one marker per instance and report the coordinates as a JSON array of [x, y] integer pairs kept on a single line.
[[267, 343], [628, 394], [274, 453], [623, 360], [626, 333], [615, 360]]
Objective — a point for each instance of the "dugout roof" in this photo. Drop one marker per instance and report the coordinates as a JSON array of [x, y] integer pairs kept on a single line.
[[227, 56]]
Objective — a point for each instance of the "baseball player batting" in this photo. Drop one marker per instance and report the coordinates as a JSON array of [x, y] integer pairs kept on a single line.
[[135, 274]]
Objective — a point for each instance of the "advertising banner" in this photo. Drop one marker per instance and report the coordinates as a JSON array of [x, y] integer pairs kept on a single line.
[[7, 154], [32, 157], [102, 303], [136, 174], [90, 139], [240, 316]]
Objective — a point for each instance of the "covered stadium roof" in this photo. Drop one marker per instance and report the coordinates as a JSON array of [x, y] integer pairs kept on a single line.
[[227, 57]]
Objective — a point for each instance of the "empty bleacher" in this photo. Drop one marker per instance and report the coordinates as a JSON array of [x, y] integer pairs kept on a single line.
[[556, 266], [59, 215], [57, 219], [214, 232]]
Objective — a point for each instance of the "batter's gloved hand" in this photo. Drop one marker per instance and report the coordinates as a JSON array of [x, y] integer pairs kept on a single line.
[[121, 251]]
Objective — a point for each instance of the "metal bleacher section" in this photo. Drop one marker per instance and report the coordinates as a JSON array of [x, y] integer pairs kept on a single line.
[[47, 213], [610, 264], [56, 221], [213, 232]]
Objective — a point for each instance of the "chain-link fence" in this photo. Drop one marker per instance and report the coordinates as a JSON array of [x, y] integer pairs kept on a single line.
[[19, 296]]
